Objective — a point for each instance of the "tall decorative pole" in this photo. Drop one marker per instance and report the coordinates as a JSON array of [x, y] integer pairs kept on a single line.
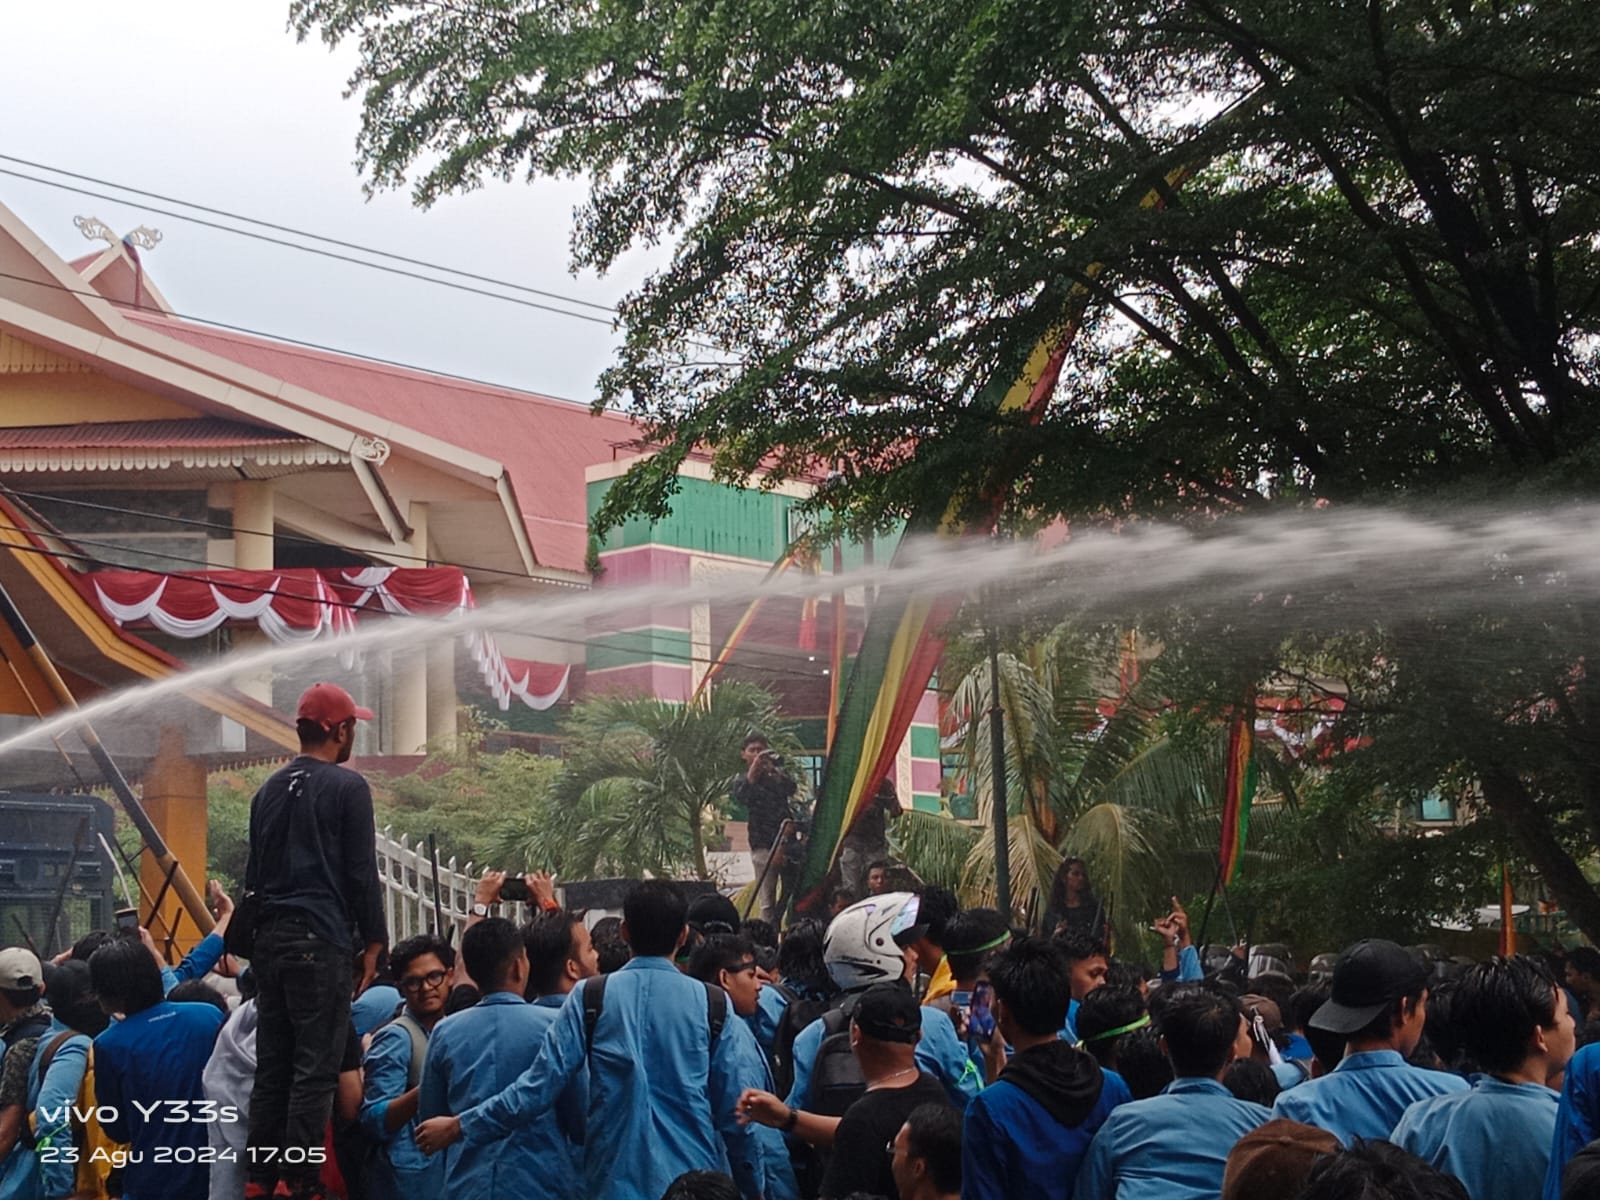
[[997, 775]]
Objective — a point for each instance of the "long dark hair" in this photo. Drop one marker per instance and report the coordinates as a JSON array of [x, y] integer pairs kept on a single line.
[[1058, 886]]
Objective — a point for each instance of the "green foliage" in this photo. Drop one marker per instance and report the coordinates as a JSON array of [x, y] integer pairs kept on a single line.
[[228, 795], [645, 787], [1377, 278]]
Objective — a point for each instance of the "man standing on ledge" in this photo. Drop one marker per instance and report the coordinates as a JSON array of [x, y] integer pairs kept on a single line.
[[313, 865], [765, 791]]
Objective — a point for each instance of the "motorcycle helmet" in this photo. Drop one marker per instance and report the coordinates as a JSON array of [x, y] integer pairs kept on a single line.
[[865, 943]]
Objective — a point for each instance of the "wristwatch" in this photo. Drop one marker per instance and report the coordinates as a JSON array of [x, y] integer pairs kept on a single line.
[[480, 910], [549, 906]]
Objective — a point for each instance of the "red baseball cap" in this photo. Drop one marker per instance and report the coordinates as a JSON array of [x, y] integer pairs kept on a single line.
[[328, 704]]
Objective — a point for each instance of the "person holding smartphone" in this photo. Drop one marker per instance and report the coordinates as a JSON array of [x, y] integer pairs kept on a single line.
[[766, 791]]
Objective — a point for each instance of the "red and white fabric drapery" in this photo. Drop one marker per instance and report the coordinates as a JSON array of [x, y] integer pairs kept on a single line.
[[299, 604]]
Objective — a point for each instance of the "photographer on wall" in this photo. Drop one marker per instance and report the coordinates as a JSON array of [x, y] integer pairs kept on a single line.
[[766, 791]]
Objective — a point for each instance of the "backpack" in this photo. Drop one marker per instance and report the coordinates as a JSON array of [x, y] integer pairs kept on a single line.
[[836, 1078], [97, 1153], [419, 1045], [799, 1012], [594, 999]]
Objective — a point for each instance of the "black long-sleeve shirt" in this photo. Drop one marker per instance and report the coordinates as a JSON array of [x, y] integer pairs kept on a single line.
[[312, 849]]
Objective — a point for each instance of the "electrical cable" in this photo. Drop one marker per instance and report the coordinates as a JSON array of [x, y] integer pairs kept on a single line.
[[609, 323], [91, 560]]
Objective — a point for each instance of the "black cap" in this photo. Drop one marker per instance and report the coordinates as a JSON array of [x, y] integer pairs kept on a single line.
[[1368, 978], [888, 1012], [713, 913]]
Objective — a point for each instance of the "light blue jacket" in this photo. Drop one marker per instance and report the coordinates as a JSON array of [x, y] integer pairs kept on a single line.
[[662, 1098], [1169, 1147], [373, 1007], [399, 1171], [1577, 1117], [770, 1003], [474, 1055], [1494, 1138], [939, 1053], [1365, 1095], [206, 954], [26, 1177], [774, 1168]]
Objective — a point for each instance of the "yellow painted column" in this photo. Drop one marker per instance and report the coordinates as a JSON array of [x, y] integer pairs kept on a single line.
[[441, 686], [175, 797], [409, 714], [252, 551]]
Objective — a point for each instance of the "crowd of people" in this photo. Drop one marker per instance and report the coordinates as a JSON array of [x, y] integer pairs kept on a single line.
[[905, 1048]]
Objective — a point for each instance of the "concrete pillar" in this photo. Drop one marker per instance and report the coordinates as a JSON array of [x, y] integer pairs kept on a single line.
[[252, 551], [441, 687], [175, 798], [417, 518], [701, 651], [252, 525], [408, 717]]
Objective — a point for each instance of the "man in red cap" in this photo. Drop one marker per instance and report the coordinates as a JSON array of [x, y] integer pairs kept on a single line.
[[313, 868]]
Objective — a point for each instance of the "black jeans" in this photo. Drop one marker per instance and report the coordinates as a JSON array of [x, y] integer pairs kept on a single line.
[[304, 1014]]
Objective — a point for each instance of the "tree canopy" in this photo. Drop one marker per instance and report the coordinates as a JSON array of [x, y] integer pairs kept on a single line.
[[1369, 271]]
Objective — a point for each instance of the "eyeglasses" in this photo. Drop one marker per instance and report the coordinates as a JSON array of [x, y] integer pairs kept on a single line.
[[415, 983]]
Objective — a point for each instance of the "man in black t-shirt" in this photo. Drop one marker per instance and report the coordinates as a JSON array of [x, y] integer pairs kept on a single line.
[[884, 1031], [313, 867], [765, 792]]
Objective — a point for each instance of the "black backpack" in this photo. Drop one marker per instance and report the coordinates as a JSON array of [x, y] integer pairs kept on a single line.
[[799, 1012], [836, 1078], [594, 999]]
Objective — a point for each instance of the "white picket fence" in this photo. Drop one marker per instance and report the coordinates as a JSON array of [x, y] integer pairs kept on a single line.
[[406, 873]]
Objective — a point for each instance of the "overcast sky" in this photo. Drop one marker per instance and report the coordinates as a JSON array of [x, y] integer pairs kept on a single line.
[[213, 101]]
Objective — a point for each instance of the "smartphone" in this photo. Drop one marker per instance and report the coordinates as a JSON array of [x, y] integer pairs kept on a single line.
[[127, 920], [515, 887], [980, 1018]]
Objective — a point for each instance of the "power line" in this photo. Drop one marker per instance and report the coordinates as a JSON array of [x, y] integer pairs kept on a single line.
[[261, 237], [124, 547], [68, 556], [233, 530], [500, 389], [316, 237], [332, 241]]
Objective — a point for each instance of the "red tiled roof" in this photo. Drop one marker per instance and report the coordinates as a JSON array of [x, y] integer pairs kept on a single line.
[[200, 433], [546, 444]]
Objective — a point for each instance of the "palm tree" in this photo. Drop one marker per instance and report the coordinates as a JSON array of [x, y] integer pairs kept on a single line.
[[645, 783], [1099, 780]]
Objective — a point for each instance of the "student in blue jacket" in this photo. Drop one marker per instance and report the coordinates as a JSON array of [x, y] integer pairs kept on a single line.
[[477, 1053], [1026, 1134], [156, 1052], [664, 1083], [1175, 1146], [1511, 1016], [393, 1074], [728, 961], [1379, 1004]]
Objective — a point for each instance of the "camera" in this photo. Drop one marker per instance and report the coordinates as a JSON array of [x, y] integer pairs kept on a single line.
[[773, 757], [515, 887]]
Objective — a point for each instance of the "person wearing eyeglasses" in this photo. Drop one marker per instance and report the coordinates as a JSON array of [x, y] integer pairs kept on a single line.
[[422, 968]]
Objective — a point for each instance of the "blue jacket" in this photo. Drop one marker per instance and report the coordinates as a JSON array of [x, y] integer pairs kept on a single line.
[[939, 1053], [1013, 1149], [398, 1171], [770, 1003], [157, 1054], [205, 955], [771, 1148], [662, 1099], [476, 1054], [1365, 1095], [1170, 1147], [1494, 1138], [25, 1176], [1577, 1115]]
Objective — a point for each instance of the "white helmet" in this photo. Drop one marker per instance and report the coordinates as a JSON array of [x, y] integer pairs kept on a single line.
[[862, 946]]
